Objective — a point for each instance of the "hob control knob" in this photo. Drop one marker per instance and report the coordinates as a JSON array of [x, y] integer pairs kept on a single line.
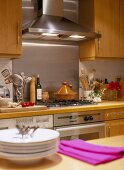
[[90, 117], [86, 118]]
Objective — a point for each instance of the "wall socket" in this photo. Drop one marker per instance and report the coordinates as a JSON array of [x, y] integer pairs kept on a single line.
[[6, 64]]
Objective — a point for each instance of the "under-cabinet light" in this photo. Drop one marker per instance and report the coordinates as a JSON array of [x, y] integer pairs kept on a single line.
[[77, 36], [42, 44], [50, 34]]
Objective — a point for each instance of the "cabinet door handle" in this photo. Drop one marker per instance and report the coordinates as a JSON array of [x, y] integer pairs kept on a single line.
[[18, 33], [107, 116], [98, 43], [108, 131], [109, 128]]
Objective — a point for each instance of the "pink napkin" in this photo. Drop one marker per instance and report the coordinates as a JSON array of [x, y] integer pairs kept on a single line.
[[90, 153]]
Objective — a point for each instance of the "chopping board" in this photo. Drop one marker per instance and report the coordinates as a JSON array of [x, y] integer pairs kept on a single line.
[[22, 109]]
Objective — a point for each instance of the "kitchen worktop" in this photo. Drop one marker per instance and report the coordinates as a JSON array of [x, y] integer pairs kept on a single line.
[[100, 106], [60, 162]]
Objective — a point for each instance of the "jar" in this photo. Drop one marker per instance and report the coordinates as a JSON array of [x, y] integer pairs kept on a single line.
[[45, 96]]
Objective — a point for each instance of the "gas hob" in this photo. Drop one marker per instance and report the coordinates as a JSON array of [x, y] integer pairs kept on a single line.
[[68, 103]]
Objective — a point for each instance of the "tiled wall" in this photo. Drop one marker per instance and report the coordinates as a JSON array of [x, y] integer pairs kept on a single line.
[[6, 64]]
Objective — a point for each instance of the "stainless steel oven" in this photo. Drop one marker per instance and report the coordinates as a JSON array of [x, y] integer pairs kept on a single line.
[[81, 125]]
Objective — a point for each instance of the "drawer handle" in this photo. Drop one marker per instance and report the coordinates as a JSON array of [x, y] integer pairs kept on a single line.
[[3, 128]]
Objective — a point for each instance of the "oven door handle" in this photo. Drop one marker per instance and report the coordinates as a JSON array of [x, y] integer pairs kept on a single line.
[[81, 127]]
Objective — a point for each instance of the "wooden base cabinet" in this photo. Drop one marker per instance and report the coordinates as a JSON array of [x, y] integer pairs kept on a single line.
[[10, 27], [105, 17], [114, 127], [114, 124], [121, 125]]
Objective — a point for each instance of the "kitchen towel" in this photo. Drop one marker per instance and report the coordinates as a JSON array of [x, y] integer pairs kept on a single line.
[[90, 153]]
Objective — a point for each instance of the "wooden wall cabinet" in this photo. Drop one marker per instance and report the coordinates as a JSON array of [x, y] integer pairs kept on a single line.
[[105, 17], [10, 28], [122, 28], [114, 124]]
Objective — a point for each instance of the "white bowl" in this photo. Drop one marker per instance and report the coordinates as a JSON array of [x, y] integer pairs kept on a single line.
[[39, 145], [27, 159], [10, 137], [27, 151]]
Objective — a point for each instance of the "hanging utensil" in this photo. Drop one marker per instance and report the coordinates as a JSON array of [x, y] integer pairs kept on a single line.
[[91, 76]]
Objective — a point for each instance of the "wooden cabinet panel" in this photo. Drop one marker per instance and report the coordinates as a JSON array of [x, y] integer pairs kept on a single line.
[[121, 132], [122, 28], [107, 23], [105, 17], [114, 127], [112, 114], [114, 122], [10, 27]]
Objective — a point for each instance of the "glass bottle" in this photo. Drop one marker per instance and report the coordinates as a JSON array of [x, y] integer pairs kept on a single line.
[[38, 91]]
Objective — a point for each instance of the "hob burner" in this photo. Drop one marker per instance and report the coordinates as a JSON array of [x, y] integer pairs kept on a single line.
[[68, 103]]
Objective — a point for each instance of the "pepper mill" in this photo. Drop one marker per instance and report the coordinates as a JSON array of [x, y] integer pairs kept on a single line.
[[32, 90]]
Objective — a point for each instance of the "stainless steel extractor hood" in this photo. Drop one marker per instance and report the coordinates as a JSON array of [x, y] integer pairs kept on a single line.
[[48, 23]]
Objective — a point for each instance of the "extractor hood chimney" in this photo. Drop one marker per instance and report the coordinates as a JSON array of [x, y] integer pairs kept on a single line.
[[49, 23]]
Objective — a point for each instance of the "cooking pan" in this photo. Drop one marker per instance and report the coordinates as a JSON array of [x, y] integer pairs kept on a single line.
[[65, 93]]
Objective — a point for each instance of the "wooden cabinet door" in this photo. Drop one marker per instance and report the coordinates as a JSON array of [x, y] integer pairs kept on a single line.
[[121, 127], [103, 18], [10, 26], [114, 127], [122, 28], [107, 23]]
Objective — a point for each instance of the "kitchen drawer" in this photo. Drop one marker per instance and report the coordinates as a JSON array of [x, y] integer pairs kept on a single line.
[[114, 114]]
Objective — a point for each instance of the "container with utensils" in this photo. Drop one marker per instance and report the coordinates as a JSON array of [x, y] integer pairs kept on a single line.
[[86, 95]]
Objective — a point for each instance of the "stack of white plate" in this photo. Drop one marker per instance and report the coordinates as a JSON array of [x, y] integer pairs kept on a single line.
[[30, 148]]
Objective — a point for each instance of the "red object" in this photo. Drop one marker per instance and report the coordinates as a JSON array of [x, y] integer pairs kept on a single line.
[[31, 103], [114, 86], [27, 104]]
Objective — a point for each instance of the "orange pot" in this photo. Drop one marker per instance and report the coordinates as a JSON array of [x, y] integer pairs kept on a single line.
[[65, 93]]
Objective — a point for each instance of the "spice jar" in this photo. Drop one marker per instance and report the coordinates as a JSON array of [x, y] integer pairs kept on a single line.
[[45, 96]]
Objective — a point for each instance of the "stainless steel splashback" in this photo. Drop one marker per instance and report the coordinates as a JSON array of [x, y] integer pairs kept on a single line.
[[54, 63]]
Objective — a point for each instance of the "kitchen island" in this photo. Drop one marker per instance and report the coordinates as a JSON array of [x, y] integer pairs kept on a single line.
[[61, 162]]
